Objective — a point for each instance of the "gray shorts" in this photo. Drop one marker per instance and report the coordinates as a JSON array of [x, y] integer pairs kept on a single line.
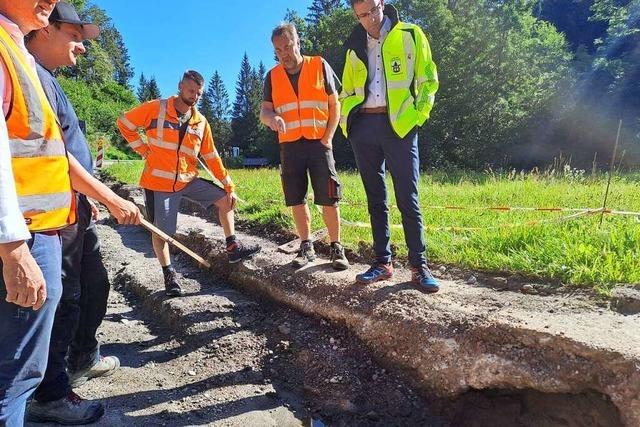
[[162, 207]]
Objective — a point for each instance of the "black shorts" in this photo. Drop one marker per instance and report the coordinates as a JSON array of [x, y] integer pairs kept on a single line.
[[297, 159]]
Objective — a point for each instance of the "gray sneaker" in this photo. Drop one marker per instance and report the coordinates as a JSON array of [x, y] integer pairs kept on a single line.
[[338, 258], [106, 366], [306, 253], [70, 411]]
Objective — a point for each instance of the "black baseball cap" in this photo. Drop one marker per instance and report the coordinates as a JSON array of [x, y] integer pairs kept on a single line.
[[64, 12]]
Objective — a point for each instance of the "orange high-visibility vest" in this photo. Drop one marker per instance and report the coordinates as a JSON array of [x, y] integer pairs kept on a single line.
[[171, 164], [307, 113], [38, 155]]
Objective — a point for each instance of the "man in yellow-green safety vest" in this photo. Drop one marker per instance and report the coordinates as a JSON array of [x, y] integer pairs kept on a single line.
[[389, 82]]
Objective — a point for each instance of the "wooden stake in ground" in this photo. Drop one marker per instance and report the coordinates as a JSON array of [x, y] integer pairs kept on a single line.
[[146, 224], [611, 165]]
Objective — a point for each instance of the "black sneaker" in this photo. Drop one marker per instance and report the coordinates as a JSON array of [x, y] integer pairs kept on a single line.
[[237, 251], [306, 253], [338, 259], [70, 410], [171, 286]]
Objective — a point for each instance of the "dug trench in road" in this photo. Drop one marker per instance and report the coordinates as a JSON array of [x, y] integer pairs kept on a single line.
[[219, 357]]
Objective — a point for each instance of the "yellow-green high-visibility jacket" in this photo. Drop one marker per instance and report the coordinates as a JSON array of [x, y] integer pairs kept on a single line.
[[409, 70]]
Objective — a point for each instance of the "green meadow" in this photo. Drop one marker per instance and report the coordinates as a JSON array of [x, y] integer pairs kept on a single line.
[[540, 244]]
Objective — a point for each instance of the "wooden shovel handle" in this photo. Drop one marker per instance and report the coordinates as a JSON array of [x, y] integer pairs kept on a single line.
[[146, 224]]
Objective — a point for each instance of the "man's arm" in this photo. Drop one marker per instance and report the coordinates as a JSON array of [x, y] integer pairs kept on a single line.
[[124, 211], [334, 104], [269, 118], [348, 87], [268, 114], [334, 119], [130, 122], [426, 78], [23, 278]]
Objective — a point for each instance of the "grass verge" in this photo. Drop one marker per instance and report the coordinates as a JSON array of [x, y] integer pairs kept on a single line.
[[576, 252]]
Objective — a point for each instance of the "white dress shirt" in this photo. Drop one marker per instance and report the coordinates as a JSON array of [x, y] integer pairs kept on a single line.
[[12, 225], [377, 93]]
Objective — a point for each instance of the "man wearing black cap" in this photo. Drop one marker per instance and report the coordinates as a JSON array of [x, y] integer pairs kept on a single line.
[[84, 278]]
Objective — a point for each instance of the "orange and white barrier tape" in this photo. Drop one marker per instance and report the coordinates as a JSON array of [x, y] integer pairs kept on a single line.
[[581, 213], [511, 209], [361, 224]]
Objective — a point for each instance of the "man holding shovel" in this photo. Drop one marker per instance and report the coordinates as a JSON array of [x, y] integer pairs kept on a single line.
[[176, 134]]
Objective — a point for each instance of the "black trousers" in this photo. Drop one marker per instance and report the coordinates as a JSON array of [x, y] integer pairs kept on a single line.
[[85, 290]]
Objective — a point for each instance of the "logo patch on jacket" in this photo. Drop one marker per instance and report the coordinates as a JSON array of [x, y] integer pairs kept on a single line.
[[395, 65]]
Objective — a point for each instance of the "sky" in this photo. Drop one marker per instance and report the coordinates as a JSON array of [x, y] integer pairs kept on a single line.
[[166, 37]]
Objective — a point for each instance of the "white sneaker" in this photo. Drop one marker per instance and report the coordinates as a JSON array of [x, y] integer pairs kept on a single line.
[[106, 366]]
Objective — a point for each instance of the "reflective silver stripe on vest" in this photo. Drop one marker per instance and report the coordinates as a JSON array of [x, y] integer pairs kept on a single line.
[[127, 123], [287, 107], [135, 144], [358, 91], [226, 181], [319, 124], [183, 177], [163, 174], [38, 147], [401, 84], [405, 104], [162, 114], [323, 105], [36, 115], [421, 80], [162, 144], [187, 176], [211, 156], [292, 125], [354, 60], [201, 127], [314, 123], [409, 53], [40, 203], [186, 150]]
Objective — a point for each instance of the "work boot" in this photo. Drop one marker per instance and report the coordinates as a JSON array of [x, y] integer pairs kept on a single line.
[[236, 251], [422, 277], [106, 366], [306, 253], [338, 259], [375, 273], [70, 410], [171, 286]]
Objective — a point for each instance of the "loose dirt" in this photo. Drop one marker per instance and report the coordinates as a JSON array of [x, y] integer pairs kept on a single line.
[[220, 357]]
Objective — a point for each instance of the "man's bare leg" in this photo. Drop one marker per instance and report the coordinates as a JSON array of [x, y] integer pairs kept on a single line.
[[302, 220], [331, 217], [161, 249], [226, 216]]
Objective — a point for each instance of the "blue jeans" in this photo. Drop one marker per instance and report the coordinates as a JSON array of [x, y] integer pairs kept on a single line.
[[24, 334], [85, 290], [375, 145]]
